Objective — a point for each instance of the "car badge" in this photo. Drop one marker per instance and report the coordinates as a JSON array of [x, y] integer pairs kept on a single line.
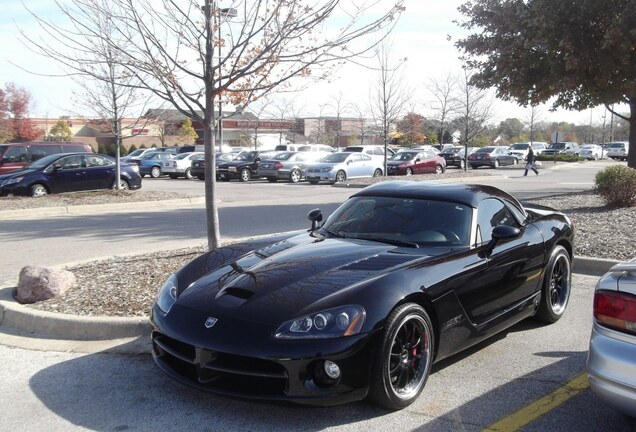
[[209, 323]]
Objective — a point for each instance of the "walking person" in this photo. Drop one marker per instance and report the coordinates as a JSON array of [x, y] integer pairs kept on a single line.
[[530, 162]]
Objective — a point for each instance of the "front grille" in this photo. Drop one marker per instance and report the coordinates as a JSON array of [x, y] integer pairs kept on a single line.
[[220, 372]]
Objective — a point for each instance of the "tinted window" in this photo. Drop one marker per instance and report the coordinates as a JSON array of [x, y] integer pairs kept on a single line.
[[97, 160], [39, 151], [70, 162], [492, 212], [73, 148], [16, 154]]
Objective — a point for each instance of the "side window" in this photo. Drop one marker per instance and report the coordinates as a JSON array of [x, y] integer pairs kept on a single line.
[[16, 154], [490, 213], [70, 148], [365, 157], [356, 157], [71, 162], [39, 151], [96, 161], [379, 151]]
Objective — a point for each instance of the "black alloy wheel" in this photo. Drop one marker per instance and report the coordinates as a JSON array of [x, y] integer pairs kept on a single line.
[[557, 283], [403, 358]]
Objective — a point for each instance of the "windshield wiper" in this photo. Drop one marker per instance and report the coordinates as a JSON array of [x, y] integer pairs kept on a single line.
[[395, 242]]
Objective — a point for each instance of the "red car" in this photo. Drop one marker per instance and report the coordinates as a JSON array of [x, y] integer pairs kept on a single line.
[[416, 162]]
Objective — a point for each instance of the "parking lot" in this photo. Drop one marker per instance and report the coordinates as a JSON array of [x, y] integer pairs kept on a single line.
[[529, 378]]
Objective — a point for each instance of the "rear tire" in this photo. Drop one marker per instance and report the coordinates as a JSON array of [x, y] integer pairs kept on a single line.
[[38, 190], [155, 172], [123, 185], [377, 173], [557, 283], [187, 174], [439, 169], [496, 164], [295, 176], [409, 171]]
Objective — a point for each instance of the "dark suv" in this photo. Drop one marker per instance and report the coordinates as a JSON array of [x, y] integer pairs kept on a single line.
[[243, 167], [570, 148]]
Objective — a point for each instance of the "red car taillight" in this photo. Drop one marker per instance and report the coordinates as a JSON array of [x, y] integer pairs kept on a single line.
[[616, 310], [278, 165]]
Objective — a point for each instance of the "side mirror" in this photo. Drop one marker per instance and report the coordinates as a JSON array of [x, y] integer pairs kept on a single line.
[[499, 233], [57, 167], [416, 160], [315, 216]]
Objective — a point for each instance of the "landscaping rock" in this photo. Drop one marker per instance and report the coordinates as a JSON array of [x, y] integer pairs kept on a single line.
[[43, 283]]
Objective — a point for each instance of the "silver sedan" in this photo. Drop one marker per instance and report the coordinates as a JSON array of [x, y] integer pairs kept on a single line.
[[611, 361]]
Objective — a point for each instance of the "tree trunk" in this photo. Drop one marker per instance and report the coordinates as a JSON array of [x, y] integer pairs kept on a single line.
[[631, 147]]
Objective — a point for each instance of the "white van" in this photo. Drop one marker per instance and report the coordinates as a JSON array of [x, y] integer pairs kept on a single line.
[[305, 147]]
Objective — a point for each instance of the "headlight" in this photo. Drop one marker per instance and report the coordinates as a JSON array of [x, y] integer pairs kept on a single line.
[[326, 169], [331, 323], [135, 168], [167, 294], [12, 180]]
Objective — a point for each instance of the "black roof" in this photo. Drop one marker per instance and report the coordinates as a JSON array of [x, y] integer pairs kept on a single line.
[[468, 194]]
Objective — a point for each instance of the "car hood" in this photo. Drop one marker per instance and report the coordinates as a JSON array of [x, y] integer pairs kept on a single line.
[[398, 163], [16, 173], [324, 165], [287, 279]]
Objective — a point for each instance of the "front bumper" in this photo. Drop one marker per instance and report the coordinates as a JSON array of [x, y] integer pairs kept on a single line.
[[321, 176], [611, 366], [242, 359]]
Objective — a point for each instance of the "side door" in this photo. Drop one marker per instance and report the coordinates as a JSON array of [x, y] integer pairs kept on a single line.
[[424, 163], [100, 172], [356, 165], [69, 174], [513, 269]]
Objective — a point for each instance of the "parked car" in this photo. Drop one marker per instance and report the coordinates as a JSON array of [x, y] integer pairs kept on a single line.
[[591, 152], [197, 165], [151, 163], [493, 156], [320, 148], [338, 167], [136, 154], [289, 166], [399, 277], [180, 165], [570, 148], [243, 167], [443, 147], [456, 156], [415, 162], [520, 149], [618, 150], [68, 172], [14, 156], [611, 360], [375, 151]]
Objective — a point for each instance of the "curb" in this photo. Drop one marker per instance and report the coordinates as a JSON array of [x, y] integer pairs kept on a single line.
[[98, 208], [20, 319]]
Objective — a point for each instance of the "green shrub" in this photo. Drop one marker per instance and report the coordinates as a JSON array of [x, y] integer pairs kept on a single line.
[[617, 185], [562, 157], [122, 150], [132, 148], [101, 149]]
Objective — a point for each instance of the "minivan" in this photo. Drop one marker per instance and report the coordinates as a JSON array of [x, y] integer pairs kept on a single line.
[[14, 156]]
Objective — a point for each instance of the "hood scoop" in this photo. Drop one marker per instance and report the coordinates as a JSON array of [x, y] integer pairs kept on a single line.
[[233, 296], [378, 262]]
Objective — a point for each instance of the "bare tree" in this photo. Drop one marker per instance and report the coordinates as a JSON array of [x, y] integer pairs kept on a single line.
[[389, 96], [364, 128], [171, 49], [475, 110], [534, 115], [339, 107], [445, 102]]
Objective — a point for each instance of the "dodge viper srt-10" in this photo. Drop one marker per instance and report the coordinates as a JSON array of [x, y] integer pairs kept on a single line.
[[401, 275]]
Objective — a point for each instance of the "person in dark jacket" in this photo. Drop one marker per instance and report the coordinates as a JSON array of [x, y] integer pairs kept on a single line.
[[530, 162]]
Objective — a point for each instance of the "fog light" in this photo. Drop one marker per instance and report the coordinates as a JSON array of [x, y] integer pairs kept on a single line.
[[331, 369]]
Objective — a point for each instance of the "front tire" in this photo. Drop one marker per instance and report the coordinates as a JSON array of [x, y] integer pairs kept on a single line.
[[245, 175], [557, 283], [341, 176], [496, 164], [462, 164], [403, 358], [187, 174], [38, 190]]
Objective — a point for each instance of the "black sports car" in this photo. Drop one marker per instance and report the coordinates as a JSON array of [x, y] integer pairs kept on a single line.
[[402, 275]]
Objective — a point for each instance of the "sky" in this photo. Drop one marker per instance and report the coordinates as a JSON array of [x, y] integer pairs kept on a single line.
[[425, 35]]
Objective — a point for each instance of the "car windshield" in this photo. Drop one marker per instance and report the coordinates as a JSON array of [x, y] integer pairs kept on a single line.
[[42, 162], [246, 156], [335, 158], [182, 155], [403, 156], [150, 155], [136, 152], [282, 156], [402, 221], [558, 146], [519, 146]]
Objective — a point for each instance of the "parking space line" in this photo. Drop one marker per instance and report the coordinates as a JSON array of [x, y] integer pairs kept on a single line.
[[542, 406]]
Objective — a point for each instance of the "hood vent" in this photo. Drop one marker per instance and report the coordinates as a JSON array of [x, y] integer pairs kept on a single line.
[[233, 297], [379, 262]]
